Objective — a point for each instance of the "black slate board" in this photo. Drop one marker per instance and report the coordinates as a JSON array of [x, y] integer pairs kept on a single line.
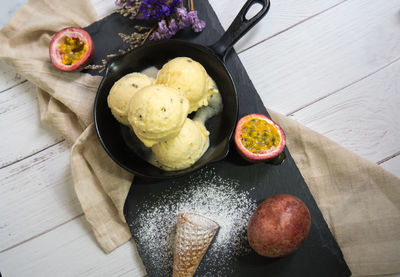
[[319, 255]]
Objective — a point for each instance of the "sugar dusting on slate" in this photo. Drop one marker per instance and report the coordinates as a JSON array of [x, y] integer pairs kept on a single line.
[[219, 199]]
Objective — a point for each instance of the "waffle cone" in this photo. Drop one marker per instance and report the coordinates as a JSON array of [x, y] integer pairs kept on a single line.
[[194, 234]]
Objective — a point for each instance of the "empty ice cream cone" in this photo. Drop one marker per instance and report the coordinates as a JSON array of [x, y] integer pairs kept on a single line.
[[194, 234]]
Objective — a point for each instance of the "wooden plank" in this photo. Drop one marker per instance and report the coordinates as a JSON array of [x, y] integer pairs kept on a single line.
[[23, 134], [324, 54], [104, 7], [281, 16], [36, 194], [362, 117], [72, 246], [30, 121], [393, 166], [8, 77], [69, 250], [8, 9]]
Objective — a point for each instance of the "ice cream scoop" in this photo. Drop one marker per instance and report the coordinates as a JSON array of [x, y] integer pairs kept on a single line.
[[157, 113], [121, 93], [184, 149], [188, 77]]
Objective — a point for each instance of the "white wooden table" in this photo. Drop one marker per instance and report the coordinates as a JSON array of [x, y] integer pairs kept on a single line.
[[333, 65]]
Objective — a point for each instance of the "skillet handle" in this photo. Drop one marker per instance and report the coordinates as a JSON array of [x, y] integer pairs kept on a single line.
[[239, 27]]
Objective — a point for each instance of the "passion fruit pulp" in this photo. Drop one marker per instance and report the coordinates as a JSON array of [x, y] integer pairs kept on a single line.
[[258, 138], [71, 49]]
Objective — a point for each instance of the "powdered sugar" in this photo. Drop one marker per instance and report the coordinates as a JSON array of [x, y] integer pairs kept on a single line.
[[200, 221], [207, 194]]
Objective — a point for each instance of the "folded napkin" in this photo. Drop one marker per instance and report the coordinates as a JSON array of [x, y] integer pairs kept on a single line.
[[358, 199]]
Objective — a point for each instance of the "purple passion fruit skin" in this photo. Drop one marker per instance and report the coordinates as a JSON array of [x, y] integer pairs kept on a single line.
[[279, 226], [71, 49], [258, 138]]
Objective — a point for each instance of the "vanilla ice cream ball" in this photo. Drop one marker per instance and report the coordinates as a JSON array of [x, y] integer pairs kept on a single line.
[[121, 93], [189, 78], [211, 87], [184, 149], [157, 113]]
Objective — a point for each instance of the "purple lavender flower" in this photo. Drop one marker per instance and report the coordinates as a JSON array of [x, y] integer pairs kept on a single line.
[[129, 2], [180, 12], [198, 25], [155, 36], [119, 3], [183, 18], [145, 12], [170, 16], [163, 31], [173, 26], [158, 9], [145, 8], [192, 15], [122, 3], [158, 36], [162, 27], [173, 5]]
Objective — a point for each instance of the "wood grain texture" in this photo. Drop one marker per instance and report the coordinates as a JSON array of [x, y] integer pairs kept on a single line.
[[324, 54], [36, 195], [393, 166], [23, 134], [104, 7], [8, 9], [281, 16], [367, 111], [8, 77], [70, 250], [317, 48]]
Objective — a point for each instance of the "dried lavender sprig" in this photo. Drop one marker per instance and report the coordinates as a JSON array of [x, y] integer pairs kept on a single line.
[[171, 14], [183, 19], [131, 11]]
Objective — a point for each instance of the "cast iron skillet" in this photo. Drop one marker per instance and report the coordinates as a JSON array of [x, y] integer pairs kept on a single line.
[[121, 143]]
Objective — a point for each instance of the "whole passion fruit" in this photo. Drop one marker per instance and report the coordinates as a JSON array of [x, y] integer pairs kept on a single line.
[[279, 226], [258, 138], [71, 49]]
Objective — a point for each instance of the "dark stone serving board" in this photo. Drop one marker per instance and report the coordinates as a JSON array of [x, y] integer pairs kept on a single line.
[[319, 256]]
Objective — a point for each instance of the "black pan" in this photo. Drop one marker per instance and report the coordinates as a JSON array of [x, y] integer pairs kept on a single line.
[[121, 143]]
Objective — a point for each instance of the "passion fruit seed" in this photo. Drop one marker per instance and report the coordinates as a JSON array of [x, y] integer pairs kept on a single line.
[[258, 136], [72, 49]]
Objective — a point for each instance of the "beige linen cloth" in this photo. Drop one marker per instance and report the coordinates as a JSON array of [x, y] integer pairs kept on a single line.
[[358, 199]]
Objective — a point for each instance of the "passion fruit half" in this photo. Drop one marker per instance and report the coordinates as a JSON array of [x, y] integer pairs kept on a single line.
[[71, 49], [258, 138]]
